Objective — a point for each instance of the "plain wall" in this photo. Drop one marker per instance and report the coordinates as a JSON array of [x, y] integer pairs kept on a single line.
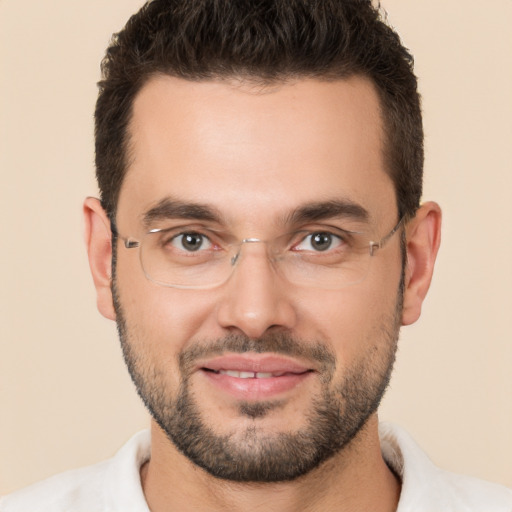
[[65, 397]]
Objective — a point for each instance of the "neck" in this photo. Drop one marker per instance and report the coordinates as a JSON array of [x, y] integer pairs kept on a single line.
[[355, 479]]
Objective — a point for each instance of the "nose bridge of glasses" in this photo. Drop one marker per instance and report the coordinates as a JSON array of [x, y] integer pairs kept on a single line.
[[236, 256]]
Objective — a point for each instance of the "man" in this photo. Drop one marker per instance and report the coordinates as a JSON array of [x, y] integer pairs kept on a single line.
[[259, 242]]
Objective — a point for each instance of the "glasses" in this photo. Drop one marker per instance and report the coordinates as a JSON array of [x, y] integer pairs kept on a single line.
[[193, 257]]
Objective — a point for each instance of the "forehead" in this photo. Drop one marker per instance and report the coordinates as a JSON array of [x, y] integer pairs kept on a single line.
[[255, 152]]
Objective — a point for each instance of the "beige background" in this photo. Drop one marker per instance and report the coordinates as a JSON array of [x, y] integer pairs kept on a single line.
[[65, 398]]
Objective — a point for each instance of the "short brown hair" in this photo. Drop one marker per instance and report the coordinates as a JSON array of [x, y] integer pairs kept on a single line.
[[266, 41]]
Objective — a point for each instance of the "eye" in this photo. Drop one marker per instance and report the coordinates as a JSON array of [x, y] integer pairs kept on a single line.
[[319, 241], [191, 242]]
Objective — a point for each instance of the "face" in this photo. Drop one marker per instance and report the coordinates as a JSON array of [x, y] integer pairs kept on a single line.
[[259, 378]]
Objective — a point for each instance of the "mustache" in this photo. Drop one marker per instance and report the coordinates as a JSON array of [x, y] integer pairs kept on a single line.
[[280, 343]]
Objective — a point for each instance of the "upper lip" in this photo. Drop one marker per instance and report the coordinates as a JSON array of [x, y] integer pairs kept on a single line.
[[257, 363]]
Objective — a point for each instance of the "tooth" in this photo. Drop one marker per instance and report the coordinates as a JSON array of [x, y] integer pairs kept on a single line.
[[249, 375], [230, 373]]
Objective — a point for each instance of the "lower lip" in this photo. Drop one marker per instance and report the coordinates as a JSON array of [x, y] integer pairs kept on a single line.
[[256, 389]]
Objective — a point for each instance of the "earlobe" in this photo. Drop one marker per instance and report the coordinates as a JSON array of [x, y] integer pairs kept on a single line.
[[98, 239], [423, 234]]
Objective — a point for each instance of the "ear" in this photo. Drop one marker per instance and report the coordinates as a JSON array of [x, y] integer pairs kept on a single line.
[[423, 234], [98, 239]]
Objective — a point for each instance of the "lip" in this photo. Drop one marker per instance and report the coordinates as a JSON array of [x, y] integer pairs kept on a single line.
[[272, 375], [252, 362]]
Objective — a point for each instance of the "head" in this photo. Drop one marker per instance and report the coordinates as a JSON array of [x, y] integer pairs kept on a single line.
[[260, 43], [260, 122]]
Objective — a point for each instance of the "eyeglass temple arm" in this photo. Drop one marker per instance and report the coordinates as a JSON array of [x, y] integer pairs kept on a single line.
[[128, 242], [377, 245]]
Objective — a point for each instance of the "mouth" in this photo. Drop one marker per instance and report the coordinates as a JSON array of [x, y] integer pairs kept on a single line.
[[255, 376]]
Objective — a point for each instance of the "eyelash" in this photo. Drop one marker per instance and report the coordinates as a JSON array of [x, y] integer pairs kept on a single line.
[[171, 236]]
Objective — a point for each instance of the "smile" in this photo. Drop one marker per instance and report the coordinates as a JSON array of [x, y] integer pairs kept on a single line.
[[253, 375]]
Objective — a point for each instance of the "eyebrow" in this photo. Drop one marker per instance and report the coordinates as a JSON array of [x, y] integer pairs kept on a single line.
[[169, 208], [332, 209]]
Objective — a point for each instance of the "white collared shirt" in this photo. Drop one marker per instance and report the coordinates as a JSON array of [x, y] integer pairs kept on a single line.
[[114, 485]]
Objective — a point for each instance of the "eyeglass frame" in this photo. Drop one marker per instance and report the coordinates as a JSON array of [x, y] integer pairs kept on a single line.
[[130, 243]]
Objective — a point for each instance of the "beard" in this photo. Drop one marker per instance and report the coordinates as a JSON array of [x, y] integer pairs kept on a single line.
[[252, 454]]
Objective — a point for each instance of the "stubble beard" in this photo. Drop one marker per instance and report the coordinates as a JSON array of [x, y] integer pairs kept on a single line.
[[253, 454]]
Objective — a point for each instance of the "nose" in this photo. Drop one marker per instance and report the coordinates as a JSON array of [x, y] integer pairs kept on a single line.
[[255, 299]]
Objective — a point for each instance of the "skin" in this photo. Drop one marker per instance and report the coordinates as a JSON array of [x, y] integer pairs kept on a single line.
[[256, 154]]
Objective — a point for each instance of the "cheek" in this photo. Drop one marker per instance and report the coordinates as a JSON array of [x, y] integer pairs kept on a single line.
[[353, 320], [164, 318]]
